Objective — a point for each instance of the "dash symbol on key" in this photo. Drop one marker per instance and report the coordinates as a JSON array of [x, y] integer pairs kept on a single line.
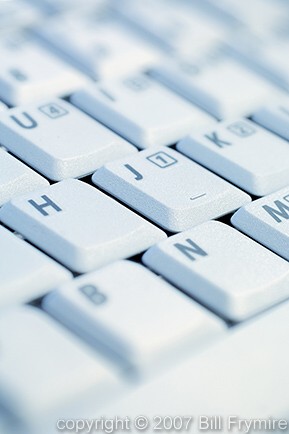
[[198, 197]]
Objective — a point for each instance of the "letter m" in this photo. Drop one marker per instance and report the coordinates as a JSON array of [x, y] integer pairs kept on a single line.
[[279, 213]]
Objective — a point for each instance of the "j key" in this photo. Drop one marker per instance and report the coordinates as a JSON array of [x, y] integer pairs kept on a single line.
[[16, 178], [59, 140], [222, 268], [168, 188], [78, 225], [216, 82], [96, 307], [143, 111], [101, 49], [25, 273], [174, 26], [275, 117], [242, 152], [44, 369], [266, 220], [29, 72]]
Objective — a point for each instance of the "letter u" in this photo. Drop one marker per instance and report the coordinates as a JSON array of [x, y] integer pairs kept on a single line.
[[31, 124]]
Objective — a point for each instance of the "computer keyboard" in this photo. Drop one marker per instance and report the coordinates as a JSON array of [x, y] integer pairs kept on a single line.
[[144, 201]]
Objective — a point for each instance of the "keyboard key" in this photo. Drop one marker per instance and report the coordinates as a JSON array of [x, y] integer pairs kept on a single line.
[[275, 117], [174, 26], [25, 273], [141, 110], [265, 220], [222, 268], [16, 178], [28, 72], [168, 188], [242, 152], [78, 225], [245, 374], [216, 82], [59, 140], [159, 320], [101, 49], [44, 369]]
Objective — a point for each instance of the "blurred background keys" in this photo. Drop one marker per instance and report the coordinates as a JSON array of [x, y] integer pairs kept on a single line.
[[141, 110], [29, 72]]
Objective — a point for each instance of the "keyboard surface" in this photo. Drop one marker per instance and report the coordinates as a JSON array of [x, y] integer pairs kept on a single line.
[[144, 208]]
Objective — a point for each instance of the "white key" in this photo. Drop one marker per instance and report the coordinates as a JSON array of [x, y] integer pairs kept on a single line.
[[275, 117], [28, 72], [242, 152], [173, 25], [141, 110], [160, 321], [17, 13], [78, 225], [244, 375], [101, 49], [265, 220], [44, 369], [59, 140], [222, 268], [16, 178], [25, 273], [216, 82], [171, 190]]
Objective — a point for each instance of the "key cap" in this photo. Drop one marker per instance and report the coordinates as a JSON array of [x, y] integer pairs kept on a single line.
[[217, 82], [141, 110], [100, 48], [16, 178], [44, 369], [222, 268], [168, 188], [28, 72], [242, 152], [96, 304], [275, 117], [230, 378], [265, 220], [25, 273], [78, 225], [59, 140], [174, 26]]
